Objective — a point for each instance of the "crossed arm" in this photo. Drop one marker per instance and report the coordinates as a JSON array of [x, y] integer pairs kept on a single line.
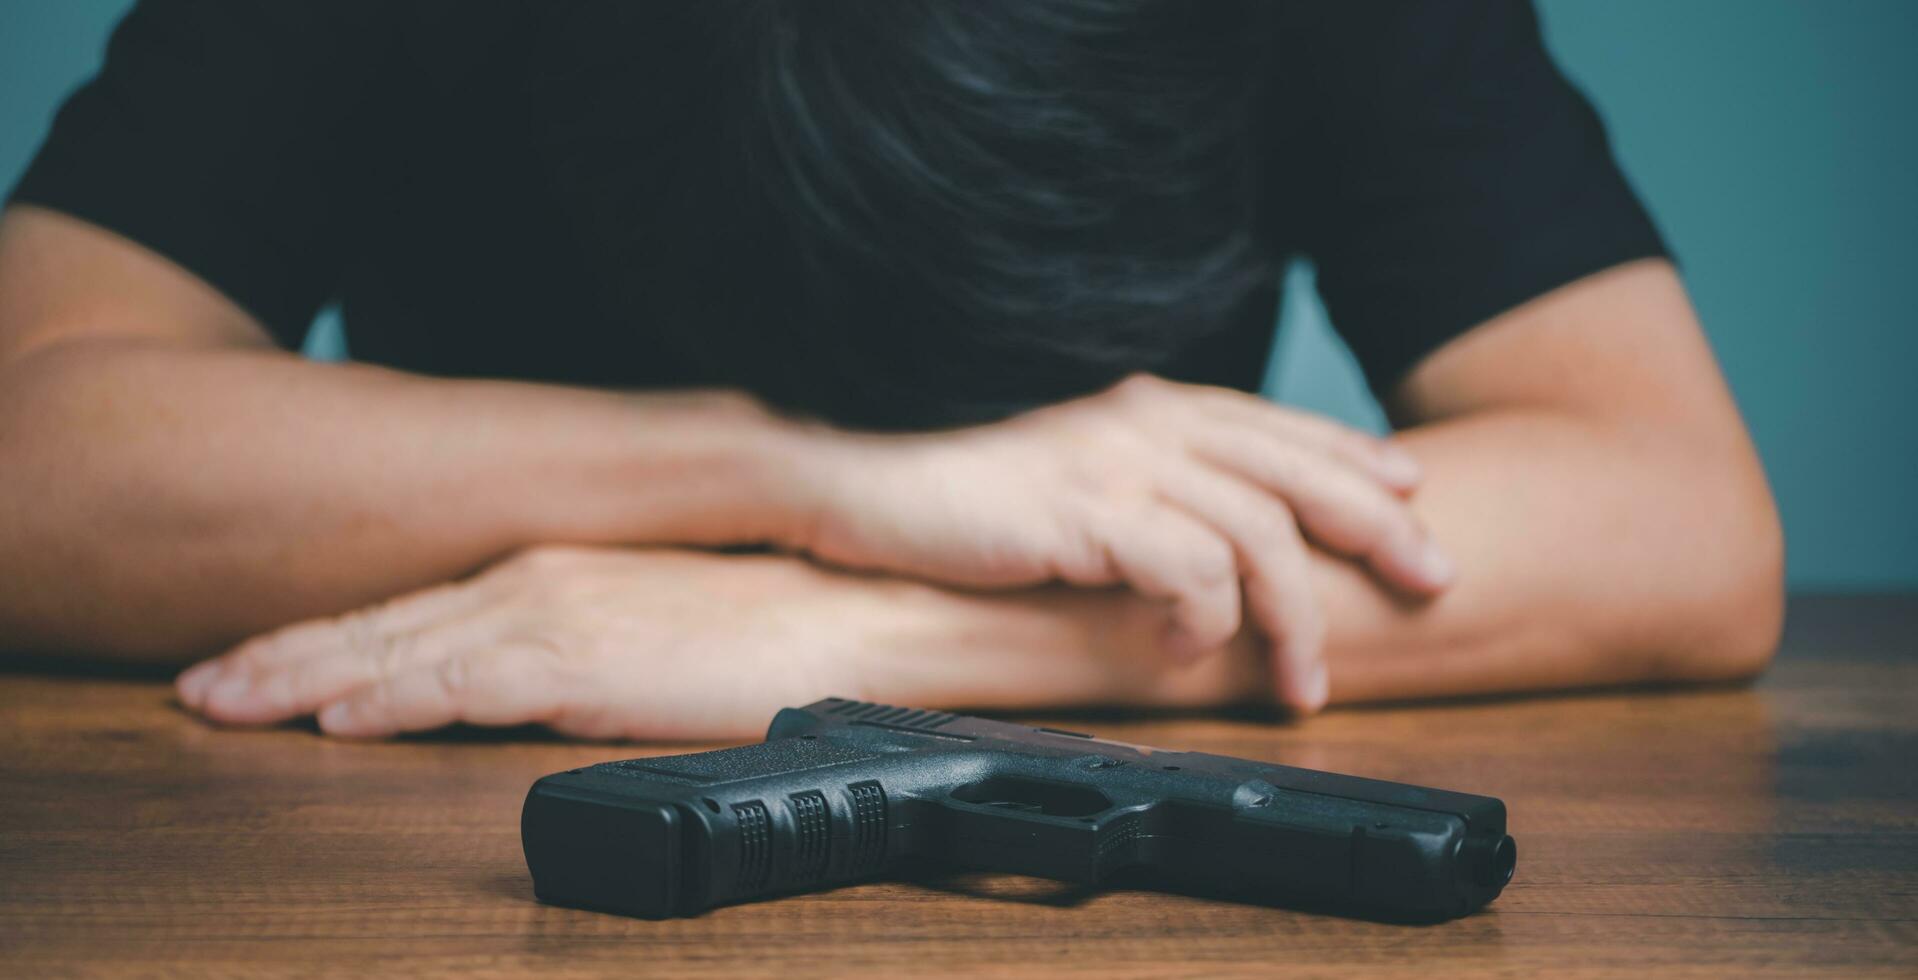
[[1587, 510]]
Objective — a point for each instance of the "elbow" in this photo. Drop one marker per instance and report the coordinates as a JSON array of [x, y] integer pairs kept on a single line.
[[1745, 635], [1734, 621]]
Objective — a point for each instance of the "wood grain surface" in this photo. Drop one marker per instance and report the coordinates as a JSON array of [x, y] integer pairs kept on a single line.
[[1769, 830]]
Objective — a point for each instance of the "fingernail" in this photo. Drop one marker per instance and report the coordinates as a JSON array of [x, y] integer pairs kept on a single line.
[[193, 683], [334, 715], [1399, 466], [1435, 566], [226, 690], [1318, 688]]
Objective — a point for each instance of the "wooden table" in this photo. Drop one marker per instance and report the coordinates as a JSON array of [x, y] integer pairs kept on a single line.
[[1720, 832]]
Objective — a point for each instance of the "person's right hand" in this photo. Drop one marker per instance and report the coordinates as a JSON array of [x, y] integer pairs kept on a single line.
[[1186, 493]]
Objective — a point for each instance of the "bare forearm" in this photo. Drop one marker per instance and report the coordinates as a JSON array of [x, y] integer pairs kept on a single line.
[[161, 500], [1586, 557], [1589, 554]]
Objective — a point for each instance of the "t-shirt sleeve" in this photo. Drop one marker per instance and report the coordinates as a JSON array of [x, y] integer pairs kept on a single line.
[[1449, 173], [230, 138]]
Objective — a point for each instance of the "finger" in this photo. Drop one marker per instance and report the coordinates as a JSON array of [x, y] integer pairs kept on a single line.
[[299, 688], [507, 685], [1276, 573], [1163, 553], [1379, 458], [1341, 510], [325, 636], [412, 611]]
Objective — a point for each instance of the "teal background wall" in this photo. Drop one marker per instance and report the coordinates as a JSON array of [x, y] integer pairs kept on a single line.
[[1776, 142]]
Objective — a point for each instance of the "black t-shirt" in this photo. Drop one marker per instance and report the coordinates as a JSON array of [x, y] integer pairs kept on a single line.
[[410, 160]]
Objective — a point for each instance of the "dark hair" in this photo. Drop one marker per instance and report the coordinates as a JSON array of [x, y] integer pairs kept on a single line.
[[986, 204]]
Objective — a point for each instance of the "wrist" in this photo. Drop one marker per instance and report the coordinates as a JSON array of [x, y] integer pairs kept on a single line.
[[713, 468], [1041, 648], [767, 460], [804, 464]]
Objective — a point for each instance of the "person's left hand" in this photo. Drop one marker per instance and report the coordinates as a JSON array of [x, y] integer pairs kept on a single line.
[[592, 642]]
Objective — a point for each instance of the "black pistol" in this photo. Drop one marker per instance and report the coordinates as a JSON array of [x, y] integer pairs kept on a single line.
[[844, 790]]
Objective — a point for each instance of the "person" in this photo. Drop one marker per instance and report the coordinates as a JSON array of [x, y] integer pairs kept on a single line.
[[717, 356]]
